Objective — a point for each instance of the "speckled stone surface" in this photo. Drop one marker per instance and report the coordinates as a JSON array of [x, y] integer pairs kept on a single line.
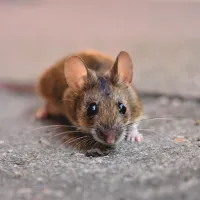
[[164, 166]]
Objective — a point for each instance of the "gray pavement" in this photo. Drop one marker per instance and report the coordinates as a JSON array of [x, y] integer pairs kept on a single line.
[[164, 166]]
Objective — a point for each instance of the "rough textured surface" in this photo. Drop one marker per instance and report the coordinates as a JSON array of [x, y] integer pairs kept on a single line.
[[164, 166]]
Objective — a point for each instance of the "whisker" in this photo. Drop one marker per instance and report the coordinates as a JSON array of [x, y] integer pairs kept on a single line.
[[53, 126], [63, 138], [150, 130], [65, 142], [80, 139], [78, 145], [63, 133], [94, 145], [162, 118], [93, 142], [88, 143], [72, 140], [152, 118], [52, 131], [81, 142]]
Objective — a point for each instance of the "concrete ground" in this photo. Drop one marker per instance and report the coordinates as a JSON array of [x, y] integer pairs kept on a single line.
[[164, 41], [164, 166]]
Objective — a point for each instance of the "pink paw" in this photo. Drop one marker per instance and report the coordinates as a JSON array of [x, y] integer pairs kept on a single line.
[[41, 113], [132, 137]]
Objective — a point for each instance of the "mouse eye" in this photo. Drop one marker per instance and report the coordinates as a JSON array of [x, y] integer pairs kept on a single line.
[[92, 110], [122, 108]]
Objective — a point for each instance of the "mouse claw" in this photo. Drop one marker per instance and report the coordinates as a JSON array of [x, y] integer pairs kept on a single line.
[[139, 138], [134, 137]]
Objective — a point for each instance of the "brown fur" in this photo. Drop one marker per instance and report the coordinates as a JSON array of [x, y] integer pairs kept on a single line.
[[63, 100], [52, 83]]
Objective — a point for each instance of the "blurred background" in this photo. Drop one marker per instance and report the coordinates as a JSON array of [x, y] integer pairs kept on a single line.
[[163, 38]]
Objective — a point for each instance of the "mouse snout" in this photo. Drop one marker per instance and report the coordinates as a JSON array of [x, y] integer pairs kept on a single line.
[[110, 136]]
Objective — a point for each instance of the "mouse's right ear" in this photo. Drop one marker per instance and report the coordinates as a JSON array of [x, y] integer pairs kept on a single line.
[[75, 72], [123, 68]]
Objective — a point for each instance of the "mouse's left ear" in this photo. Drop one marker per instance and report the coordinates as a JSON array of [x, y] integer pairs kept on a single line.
[[122, 68], [75, 72]]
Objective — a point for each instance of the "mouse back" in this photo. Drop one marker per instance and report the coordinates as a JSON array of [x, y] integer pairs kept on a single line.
[[52, 82]]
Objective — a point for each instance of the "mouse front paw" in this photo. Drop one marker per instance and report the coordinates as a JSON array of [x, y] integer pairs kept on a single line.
[[134, 136], [41, 113]]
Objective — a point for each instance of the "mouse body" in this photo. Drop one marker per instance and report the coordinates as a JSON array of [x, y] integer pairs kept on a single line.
[[95, 93]]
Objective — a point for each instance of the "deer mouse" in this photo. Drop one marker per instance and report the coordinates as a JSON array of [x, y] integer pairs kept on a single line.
[[95, 93]]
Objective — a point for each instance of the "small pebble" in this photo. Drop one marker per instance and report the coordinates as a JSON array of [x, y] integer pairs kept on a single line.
[[4, 154], [1, 141], [44, 142], [10, 150], [180, 139], [197, 122], [18, 174]]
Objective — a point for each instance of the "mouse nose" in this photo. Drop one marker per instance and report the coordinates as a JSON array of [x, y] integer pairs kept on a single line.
[[110, 136]]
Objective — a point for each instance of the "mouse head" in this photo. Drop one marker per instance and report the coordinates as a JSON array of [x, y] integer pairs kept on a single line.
[[101, 106]]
